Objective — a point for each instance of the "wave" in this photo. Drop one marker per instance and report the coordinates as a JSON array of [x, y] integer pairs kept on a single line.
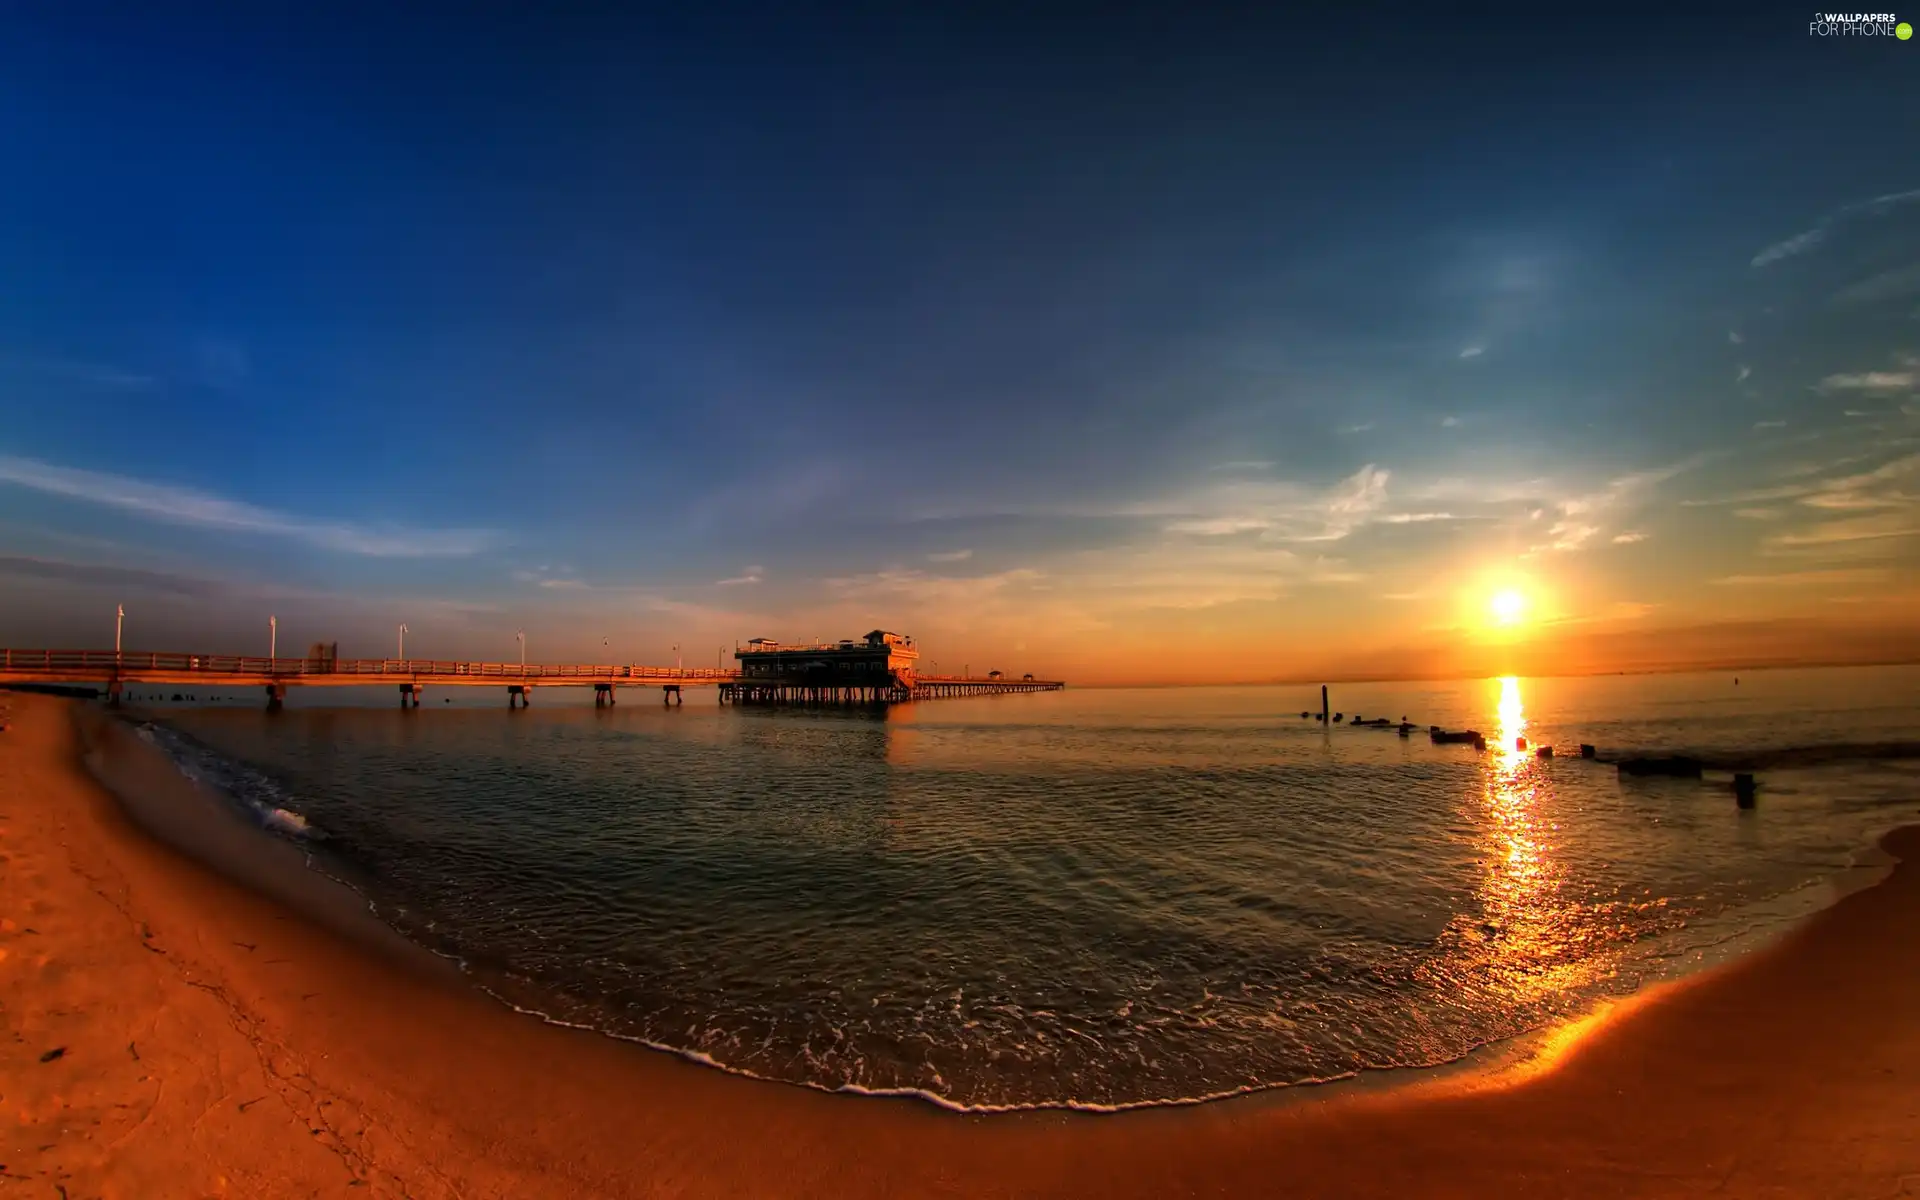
[[256, 794], [1763, 758], [926, 1096]]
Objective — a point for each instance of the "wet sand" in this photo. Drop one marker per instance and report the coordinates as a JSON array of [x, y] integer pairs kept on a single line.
[[173, 1033]]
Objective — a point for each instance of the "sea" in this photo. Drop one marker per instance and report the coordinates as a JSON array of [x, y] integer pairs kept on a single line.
[[1093, 898]]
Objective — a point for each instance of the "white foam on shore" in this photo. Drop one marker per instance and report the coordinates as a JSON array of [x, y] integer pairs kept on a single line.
[[252, 792]]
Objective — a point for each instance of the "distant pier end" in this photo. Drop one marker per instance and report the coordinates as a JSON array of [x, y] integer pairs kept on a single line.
[[882, 668]]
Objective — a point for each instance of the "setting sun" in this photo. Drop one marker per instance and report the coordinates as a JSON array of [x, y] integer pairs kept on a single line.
[[1508, 607]]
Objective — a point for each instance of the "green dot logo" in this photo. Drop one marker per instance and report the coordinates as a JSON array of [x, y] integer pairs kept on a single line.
[[1903, 31]]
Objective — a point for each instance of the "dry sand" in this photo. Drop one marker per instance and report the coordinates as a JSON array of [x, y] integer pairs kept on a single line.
[[174, 1034]]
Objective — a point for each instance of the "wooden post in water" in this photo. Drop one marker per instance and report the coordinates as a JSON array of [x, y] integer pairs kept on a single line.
[[1323, 704]]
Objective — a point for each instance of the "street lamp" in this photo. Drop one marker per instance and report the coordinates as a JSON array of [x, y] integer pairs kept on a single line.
[[273, 638], [520, 636], [676, 656], [403, 641], [119, 617]]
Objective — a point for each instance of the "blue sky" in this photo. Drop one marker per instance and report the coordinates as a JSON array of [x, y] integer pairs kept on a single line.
[[1054, 338]]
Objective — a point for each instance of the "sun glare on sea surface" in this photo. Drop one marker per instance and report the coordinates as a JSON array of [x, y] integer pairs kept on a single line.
[[1508, 607]]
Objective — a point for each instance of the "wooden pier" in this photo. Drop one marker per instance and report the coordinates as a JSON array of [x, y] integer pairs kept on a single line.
[[765, 677]]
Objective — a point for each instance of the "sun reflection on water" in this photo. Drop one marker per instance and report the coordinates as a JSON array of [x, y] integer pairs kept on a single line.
[[1531, 931]]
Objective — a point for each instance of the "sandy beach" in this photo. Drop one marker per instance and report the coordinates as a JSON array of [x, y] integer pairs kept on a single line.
[[176, 1032]]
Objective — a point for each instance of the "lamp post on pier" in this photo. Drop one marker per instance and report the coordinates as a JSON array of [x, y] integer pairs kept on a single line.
[[119, 618], [403, 642], [273, 638], [676, 657], [520, 635]]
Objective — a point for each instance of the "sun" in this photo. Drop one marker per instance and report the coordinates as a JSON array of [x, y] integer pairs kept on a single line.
[[1508, 607]]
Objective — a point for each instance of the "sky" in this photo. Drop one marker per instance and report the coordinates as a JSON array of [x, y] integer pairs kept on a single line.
[[1112, 343]]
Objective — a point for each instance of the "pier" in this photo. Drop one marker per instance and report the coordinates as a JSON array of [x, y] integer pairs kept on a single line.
[[850, 672], [881, 668]]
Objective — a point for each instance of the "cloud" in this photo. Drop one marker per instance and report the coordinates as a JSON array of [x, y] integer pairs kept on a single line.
[[1629, 538], [1733, 335], [751, 575], [1869, 381], [174, 505], [1449, 422], [1332, 570], [1473, 352], [1363, 427], [1579, 515], [1277, 510], [1745, 371], [567, 585], [1760, 514], [1833, 578], [1888, 285], [1811, 239], [1799, 243], [950, 556], [1414, 518], [1769, 424], [1243, 464], [72, 371]]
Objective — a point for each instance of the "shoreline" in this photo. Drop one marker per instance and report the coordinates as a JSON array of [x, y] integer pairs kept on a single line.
[[267, 1054], [356, 912]]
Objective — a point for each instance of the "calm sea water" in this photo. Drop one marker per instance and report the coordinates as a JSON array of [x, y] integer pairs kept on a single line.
[[1096, 898]]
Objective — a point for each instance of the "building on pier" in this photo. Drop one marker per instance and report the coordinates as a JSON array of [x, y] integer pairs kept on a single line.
[[879, 667]]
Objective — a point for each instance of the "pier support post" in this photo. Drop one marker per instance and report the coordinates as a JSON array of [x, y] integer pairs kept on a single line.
[[114, 691], [1323, 704], [410, 695], [517, 696], [670, 694], [276, 696]]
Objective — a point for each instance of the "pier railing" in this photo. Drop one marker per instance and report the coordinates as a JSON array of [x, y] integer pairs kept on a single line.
[[106, 663]]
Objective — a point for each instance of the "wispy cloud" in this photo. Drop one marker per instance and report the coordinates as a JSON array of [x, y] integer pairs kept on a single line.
[[183, 506], [1769, 424], [950, 556], [101, 375], [1834, 578], [1581, 517], [1362, 427], [747, 576], [1733, 335], [1745, 371], [1243, 464], [1629, 538], [1799, 243], [1473, 351], [1887, 285], [1869, 381], [1811, 239], [1277, 510], [1760, 514]]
